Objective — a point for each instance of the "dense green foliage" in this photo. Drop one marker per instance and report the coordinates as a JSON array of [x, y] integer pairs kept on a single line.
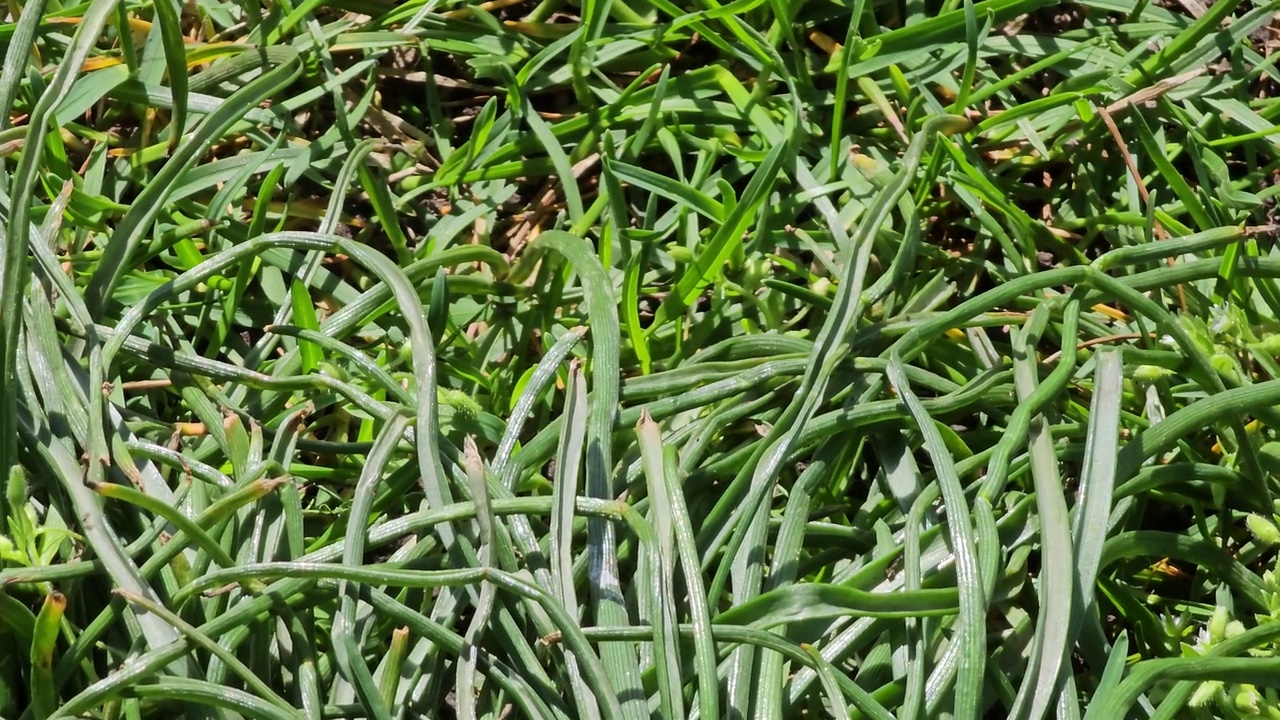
[[650, 359]]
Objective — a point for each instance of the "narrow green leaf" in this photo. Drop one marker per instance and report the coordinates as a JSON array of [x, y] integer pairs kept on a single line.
[[971, 626], [175, 57], [304, 313], [44, 696]]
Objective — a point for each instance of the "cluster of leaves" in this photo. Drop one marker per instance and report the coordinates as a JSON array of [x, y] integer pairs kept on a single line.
[[746, 359]]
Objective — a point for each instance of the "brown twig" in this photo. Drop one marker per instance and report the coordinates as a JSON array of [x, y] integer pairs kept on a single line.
[[139, 385], [1142, 186], [1099, 341]]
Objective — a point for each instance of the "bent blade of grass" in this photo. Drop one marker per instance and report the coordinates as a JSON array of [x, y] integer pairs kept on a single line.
[[1219, 407], [342, 184], [347, 654], [917, 660], [559, 160], [388, 574], [699, 604], [1250, 589], [568, 466], [467, 688], [606, 589], [544, 372], [204, 642], [1097, 484], [666, 647], [205, 694], [306, 271], [435, 483], [668, 188], [971, 627], [816, 601], [935, 33], [167, 12], [789, 544], [173, 515], [1263, 672], [827, 678], [370, 301], [1050, 646], [1210, 22], [374, 372]]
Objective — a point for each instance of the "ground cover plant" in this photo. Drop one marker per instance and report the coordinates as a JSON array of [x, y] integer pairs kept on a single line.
[[647, 359]]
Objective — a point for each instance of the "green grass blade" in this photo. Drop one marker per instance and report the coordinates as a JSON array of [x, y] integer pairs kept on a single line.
[[347, 653], [467, 686], [175, 57], [1051, 645], [970, 630], [568, 467], [624, 671], [666, 649], [44, 638]]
